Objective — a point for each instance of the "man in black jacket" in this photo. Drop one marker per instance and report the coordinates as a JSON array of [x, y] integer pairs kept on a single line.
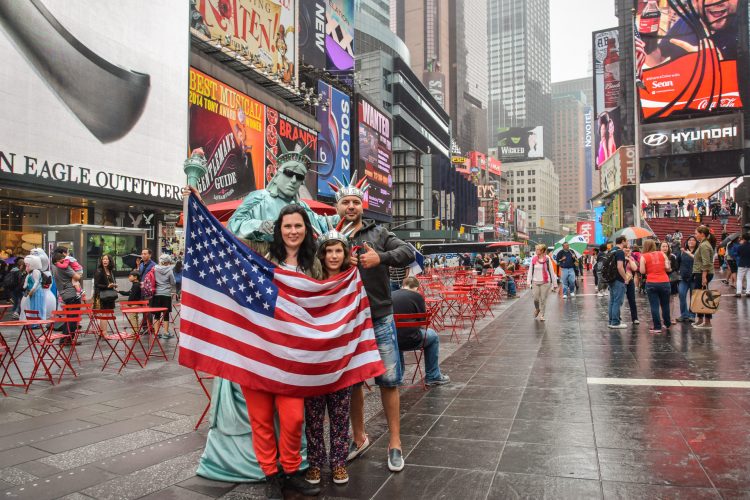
[[379, 249]]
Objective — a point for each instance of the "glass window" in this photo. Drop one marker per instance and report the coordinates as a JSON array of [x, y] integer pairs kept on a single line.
[[117, 246]]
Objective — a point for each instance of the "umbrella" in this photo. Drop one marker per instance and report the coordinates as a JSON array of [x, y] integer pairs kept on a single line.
[[632, 233], [129, 260], [12, 260], [726, 241], [577, 244]]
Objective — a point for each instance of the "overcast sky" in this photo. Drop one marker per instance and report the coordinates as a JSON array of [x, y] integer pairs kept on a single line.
[[571, 24]]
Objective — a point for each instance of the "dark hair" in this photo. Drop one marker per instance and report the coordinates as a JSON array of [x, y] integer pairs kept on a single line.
[[306, 255], [60, 249], [147, 250], [703, 230], [135, 273], [321, 253], [603, 247], [745, 237], [620, 239], [57, 257], [687, 241], [110, 267]]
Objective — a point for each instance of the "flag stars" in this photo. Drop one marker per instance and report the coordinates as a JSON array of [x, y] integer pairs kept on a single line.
[[222, 253], [202, 274], [227, 264], [255, 268], [214, 242], [206, 258], [212, 270], [212, 256], [235, 276], [257, 295], [232, 291], [243, 272], [236, 262], [250, 298], [266, 306], [242, 287], [201, 218], [261, 279], [224, 279], [189, 251], [269, 291], [218, 281], [251, 284]]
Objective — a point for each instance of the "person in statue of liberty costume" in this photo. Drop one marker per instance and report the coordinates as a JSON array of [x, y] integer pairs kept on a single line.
[[229, 454]]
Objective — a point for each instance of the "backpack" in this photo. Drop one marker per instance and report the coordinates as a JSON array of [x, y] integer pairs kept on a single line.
[[148, 285], [13, 280], [46, 279], [609, 268]]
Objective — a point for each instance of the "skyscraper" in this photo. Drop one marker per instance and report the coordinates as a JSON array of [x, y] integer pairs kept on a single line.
[[568, 149], [519, 64]]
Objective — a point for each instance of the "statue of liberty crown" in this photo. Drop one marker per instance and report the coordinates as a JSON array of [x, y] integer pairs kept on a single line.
[[303, 155], [339, 233], [355, 188]]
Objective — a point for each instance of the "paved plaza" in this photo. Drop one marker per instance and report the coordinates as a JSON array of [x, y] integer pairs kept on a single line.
[[561, 409]]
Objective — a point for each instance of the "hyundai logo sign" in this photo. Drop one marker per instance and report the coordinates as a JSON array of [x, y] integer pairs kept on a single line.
[[655, 140]]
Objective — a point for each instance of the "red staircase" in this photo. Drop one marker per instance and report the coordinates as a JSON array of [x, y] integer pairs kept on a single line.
[[662, 226]]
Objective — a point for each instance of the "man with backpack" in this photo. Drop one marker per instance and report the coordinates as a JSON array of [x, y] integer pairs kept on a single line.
[[13, 284], [614, 273]]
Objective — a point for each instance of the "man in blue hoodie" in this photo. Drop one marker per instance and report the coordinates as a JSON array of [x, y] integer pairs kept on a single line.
[[741, 254]]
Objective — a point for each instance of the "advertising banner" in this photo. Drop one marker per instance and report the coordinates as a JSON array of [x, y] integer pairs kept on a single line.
[[619, 169], [375, 151], [312, 33], [522, 222], [228, 125], [607, 83], [335, 139], [91, 107], [520, 143], [599, 236], [294, 135], [588, 149], [698, 135], [586, 229], [687, 57], [258, 28], [340, 40]]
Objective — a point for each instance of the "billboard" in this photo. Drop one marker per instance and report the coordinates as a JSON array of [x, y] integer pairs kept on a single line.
[[599, 236], [522, 222], [335, 139], [588, 148], [520, 143], [340, 40], [88, 106], [375, 151], [260, 29], [312, 33], [435, 83], [698, 135], [618, 170], [607, 84], [295, 136], [687, 57], [228, 125], [586, 229]]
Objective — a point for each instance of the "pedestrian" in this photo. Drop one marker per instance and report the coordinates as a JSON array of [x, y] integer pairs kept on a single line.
[[655, 265], [601, 285], [686, 285], [690, 209], [730, 260], [540, 278], [656, 209], [134, 294], [379, 249], [681, 207], [177, 270], [724, 217], [631, 266], [105, 287], [617, 285], [334, 256], [703, 269], [165, 283], [668, 209], [146, 264], [742, 257], [14, 282], [568, 263], [674, 273]]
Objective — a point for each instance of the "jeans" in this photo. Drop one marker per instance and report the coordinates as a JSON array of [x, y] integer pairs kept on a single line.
[[431, 355], [658, 296], [17, 297], [568, 280], [385, 337], [71, 327], [686, 289], [630, 294], [616, 298], [743, 275]]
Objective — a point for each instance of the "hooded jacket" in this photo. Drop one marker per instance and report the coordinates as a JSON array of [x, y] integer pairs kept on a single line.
[[393, 253], [164, 280]]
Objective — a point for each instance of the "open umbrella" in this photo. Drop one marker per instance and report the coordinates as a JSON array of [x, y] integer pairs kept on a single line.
[[632, 233], [129, 260], [726, 241], [577, 244]]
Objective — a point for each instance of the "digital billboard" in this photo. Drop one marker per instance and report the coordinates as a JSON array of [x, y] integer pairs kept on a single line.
[[340, 40], [228, 125], [687, 57], [520, 143], [335, 139], [294, 135], [375, 151], [264, 29], [312, 33], [697, 135], [607, 83]]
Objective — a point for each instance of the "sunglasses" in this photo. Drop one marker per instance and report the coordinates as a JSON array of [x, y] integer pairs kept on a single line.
[[290, 174]]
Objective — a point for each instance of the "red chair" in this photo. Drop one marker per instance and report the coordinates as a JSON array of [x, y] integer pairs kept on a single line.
[[50, 346], [206, 391], [86, 309], [115, 339], [7, 359], [132, 320], [415, 320]]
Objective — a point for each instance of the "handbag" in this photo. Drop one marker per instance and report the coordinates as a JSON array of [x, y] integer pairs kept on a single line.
[[109, 294], [705, 301]]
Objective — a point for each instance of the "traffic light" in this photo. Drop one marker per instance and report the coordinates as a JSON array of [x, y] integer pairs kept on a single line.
[[437, 224]]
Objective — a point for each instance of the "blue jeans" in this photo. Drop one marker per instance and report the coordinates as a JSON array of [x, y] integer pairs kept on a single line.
[[616, 298], [568, 280], [686, 287], [431, 355], [658, 296], [17, 295], [385, 337], [630, 294]]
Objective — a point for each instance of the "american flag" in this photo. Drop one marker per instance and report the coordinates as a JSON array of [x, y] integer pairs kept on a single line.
[[640, 52], [267, 328]]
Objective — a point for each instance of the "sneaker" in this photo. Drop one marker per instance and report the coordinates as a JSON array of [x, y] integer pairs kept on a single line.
[[565, 296], [536, 313], [654, 330], [572, 294], [636, 321], [599, 294], [312, 475], [738, 295], [273, 487], [296, 482], [619, 327], [541, 318], [444, 379], [340, 476], [355, 451], [395, 460], [703, 326]]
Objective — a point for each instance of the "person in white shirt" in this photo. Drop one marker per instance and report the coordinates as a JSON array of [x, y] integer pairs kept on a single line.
[[541, 277]]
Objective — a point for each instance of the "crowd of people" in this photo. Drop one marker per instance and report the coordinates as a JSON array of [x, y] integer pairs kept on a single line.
[[696, 209]]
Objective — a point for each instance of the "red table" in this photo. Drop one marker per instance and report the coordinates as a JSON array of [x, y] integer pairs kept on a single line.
[[32, 346], [147, 321], [4, 309]]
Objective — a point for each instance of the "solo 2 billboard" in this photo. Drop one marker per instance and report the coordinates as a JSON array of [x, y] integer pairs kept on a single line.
[[375, 151], [520, 143], [687, 57], [335, 139], [228, 125], [608, 126]]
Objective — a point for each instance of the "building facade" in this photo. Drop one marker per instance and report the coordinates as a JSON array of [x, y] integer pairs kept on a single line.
[[569, 151], [534, 187]]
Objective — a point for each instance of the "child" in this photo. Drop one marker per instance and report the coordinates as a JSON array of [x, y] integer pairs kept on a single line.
[[333, 254], [66, 260], [76, 282], [135, 286]]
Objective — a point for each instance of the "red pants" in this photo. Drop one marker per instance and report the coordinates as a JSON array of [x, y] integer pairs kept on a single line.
[[260, 407]]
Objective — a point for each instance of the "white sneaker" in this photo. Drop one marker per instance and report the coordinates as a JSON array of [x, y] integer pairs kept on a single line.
[[618, 327], [565, 296], [599, 294], [572, 294]]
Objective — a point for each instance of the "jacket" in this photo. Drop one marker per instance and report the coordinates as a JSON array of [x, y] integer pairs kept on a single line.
[[686, 266], [101, 281], [393, 253], [566, 259], [134, 293], [164, 280], [145, 268], [551, 276], [743, 254], [704, 258]]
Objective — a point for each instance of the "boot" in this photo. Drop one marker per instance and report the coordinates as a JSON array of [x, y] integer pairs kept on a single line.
[[273, 487], [296, 482]]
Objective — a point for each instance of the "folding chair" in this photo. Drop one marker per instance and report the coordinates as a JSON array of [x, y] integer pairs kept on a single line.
[[86, 309], [7, 359], [206, 392], [50, 346], [72, 319], [415, 320], [113, 340]]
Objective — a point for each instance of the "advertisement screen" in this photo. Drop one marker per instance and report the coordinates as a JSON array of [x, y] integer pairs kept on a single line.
[[312, 32], [586, 229], [98, 108], [340, 40], [588, 148], [335, 139], [435, 83], [375, 151], [520, 143], [599, 236], [294, 135], [228, 125], [698, 135], [687, 57], [259, 28], [607, 83]]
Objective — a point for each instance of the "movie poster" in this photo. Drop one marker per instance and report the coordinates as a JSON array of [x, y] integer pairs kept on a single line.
[[520, 143], [340, 40], [687, 57], [294, 135], [264, 29], [335, 139], [607, 84], [375, 151]]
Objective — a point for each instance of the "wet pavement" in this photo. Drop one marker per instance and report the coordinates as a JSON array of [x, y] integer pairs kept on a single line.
[[535, 410]]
